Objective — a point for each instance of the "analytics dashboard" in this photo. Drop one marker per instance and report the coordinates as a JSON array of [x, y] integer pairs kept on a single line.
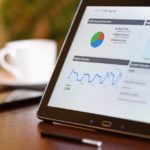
[[107, 69]]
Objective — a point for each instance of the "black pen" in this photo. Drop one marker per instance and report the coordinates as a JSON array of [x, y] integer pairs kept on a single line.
[[71, 138]]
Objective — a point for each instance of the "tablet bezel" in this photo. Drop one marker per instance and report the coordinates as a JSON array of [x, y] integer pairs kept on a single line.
[[46, 112]]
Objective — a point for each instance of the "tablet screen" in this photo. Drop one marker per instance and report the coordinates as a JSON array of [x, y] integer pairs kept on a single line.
[[107, 69]]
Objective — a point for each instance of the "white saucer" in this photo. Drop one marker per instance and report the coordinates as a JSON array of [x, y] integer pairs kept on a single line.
[[7, 79], [19, 84]]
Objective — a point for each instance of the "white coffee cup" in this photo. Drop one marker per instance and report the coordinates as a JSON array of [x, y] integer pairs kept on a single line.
[[30, 60]]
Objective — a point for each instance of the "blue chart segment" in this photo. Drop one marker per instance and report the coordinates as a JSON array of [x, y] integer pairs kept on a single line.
[[101, 78]]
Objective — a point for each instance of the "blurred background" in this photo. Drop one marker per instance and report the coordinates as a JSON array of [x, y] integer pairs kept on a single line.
[[29, 19], [32, 19]]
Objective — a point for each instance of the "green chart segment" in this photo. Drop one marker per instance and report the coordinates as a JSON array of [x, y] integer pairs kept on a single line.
[[97, 39]]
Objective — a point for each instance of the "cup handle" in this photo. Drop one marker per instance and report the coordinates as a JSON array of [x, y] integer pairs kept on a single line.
[[8, 67]]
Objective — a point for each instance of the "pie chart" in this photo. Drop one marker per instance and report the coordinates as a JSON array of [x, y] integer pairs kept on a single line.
[[97, 39]]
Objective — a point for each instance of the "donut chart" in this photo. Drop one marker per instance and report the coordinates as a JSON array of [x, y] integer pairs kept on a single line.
[[97, 39]]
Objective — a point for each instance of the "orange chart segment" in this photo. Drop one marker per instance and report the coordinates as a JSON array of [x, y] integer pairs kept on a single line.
[[101, 36]]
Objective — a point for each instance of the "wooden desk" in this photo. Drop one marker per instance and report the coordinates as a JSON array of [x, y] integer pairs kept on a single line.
[[20, 130]]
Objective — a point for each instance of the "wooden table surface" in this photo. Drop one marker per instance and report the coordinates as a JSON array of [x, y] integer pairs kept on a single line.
[[20, 130]]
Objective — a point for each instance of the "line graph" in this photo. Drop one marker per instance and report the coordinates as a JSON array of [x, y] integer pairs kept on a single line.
[[111, 78]]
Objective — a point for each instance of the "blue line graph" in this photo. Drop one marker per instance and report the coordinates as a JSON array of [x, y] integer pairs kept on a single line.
[[111, 77]]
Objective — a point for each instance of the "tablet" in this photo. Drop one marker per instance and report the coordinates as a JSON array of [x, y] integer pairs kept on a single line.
[[102, 76]]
